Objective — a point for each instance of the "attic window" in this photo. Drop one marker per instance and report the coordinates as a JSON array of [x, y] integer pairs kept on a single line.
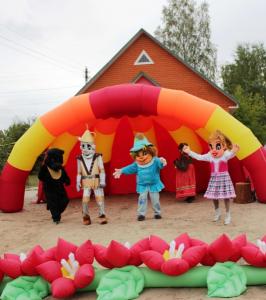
[[143, 59]]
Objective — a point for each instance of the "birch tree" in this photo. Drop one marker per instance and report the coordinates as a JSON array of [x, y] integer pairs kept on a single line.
[[185, 31]]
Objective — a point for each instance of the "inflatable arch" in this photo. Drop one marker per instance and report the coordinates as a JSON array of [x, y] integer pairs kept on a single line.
[[167, 117]]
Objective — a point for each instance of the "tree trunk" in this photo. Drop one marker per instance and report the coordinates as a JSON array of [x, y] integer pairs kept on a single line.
[[243, 193]]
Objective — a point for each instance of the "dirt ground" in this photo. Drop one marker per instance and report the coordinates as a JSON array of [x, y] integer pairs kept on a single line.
[[21, 231]]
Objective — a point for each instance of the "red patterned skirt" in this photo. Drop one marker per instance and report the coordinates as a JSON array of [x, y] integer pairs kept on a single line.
[[185, 182]]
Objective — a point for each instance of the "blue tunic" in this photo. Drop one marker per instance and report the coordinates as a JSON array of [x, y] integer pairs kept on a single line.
[[148, 176]]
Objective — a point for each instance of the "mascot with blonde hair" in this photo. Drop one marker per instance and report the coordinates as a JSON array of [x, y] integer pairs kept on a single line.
[[220, 185]]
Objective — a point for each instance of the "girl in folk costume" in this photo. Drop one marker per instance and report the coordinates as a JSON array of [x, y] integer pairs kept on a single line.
[[90, 177], [147, 167], [185, 176], [220, 185]]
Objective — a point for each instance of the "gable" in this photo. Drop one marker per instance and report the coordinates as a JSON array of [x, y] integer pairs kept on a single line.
[[166, 70]]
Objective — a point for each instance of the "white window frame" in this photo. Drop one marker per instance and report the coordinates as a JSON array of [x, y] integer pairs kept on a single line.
[[143, 52]]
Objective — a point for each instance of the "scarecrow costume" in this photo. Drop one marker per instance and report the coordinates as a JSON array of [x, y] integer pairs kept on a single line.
[[90, 177], [147, 167]]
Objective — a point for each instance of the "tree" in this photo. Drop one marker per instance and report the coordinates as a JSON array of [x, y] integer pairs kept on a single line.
[[247, 71], [252, 113], [9, 137], [186, 32], [245, 79]]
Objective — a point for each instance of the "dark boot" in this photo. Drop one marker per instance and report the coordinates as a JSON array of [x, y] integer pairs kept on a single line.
[[86, 220], [103, 219], [157, 217], [190, 199], [141, 218]]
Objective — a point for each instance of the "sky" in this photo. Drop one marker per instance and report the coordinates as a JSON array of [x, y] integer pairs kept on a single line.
[[46, 45]]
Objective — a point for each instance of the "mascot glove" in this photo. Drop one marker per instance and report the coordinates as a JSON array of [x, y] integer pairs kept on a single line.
[[186, 149], [102, 184], [163, 161], [117, 173], [102, 180], [78, 184]]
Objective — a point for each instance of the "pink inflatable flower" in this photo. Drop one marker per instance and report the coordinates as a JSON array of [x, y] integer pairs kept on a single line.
[[255, 255], [175, 258], [69, 268], [117, 255], [14, 265], [223, 249]]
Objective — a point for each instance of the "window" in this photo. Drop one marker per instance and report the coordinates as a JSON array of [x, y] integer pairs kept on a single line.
[[143, 59]]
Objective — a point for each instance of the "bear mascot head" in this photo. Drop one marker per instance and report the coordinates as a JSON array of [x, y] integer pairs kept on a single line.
[[54, 159]]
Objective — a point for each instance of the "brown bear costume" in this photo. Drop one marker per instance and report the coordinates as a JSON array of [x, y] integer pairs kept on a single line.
[[54, 177]]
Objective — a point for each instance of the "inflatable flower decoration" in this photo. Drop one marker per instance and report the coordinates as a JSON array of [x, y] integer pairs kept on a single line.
[[255, 254], [69, 269], [14, 265], [117, 255], [175, 258], [224, 249]]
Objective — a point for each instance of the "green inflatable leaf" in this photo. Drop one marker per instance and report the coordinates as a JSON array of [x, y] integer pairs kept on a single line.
[[226, 280], [26, 288], [121, 284], [4, 282]]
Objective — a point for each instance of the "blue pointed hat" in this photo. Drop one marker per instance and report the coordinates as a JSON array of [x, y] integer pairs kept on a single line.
[[140, 142]]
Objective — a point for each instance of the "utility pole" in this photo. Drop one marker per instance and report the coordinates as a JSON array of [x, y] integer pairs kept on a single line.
[[86, 75]]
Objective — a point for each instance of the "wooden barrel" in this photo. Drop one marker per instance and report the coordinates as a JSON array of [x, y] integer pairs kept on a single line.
[[243, 193]]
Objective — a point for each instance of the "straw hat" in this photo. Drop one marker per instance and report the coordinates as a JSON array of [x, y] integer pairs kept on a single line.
[[87, 137]]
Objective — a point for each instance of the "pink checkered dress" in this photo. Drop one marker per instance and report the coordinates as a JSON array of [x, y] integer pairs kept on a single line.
[[220, 184]]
